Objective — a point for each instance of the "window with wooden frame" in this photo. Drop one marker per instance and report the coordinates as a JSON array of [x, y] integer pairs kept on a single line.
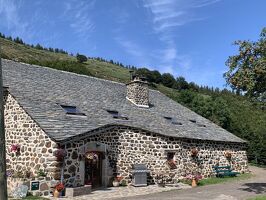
[[171, 160]]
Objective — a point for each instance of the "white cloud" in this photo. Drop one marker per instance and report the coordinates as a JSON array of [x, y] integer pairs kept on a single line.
[[130, 47], [77, 12], [166, 16], [9, 14], [136, 51], [202, 3]]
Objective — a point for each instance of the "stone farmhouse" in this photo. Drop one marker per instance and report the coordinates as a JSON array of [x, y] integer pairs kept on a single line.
[[105, 127]]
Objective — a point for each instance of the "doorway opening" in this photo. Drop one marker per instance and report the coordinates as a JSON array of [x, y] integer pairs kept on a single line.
[[93, 169]]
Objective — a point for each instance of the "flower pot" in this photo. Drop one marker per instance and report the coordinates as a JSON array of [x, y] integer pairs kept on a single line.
[[116, 183], [56, 194], [161, 184], [193, 183]]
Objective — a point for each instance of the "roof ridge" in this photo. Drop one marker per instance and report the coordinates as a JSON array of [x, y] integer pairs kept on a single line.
[[49, 68], [67, 72]]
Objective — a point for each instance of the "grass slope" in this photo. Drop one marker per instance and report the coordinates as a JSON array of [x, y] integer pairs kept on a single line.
[[259, 197], [18, 52]]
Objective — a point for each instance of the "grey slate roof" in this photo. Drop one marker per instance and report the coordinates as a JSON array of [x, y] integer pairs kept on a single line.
[[41, 90]]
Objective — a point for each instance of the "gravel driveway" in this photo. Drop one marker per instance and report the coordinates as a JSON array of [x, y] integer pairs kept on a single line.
[[239, 190]]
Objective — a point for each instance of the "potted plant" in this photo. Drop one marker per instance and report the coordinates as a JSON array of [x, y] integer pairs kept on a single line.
[[60, 154], [59, 187], [116, 181], [194, 152], [228, 154], [194, 178], [160, 179], [41, 173]]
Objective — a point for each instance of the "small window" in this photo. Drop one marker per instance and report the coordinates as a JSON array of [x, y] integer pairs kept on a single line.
[[201, 125], [171, 160], [170, 156], [168, 118], [172, 120], [193, 120], [72, 110], [117, 115], [176, 123], [114, 113]]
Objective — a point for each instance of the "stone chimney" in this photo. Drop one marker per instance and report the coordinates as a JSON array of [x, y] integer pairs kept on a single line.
[[138, 91]]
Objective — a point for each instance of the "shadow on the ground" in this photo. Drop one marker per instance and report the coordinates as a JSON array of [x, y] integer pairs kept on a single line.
[[257, 188]]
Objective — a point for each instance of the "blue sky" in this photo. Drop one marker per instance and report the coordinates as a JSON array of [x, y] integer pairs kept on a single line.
[[190, 38]]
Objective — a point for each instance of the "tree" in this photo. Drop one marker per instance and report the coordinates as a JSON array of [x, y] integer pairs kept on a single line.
[[181, 83], [247, 70], [38, 46], [18, 40], [168, 80], [81, 58]]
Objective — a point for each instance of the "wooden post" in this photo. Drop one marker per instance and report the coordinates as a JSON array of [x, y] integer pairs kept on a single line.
[[3, 184]]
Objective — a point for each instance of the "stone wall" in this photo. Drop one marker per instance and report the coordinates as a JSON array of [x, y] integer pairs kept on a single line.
[[138, 92], [44, 185], [36, 148], [127, 146]]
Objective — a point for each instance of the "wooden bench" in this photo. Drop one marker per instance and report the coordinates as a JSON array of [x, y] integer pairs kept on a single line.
[[222, 171]]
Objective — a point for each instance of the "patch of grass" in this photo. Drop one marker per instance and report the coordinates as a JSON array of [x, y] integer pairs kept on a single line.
[[31, 198], [35, 198], [257, 165], [100, 69], [263, 197], [215, 180]]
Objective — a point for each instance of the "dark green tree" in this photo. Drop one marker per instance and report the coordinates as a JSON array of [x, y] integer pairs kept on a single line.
[[38, 46], [81, 58], [168, 80], [181, 83]]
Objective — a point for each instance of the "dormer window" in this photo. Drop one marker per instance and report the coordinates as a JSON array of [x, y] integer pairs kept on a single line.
[[172, 120], [193, 120], [117, 115], [201, 125], [72, 110], [168, 118], [176, 123]]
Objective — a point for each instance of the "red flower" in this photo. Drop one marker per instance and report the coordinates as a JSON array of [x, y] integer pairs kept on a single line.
[[60, 154], [59, 187], [118, 178], [197, 177], [15, 147]]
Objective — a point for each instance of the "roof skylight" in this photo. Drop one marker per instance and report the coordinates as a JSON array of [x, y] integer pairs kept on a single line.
[[117, 115], [193, 120], [172, 120], [168, 118], [72, 110], [201, 125]]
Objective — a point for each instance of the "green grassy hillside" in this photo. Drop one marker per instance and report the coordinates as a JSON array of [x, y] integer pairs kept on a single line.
[[27, 54], [237, 114]]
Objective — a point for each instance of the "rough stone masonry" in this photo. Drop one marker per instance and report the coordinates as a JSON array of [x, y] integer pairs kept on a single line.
[[150, 135], [127, 146]]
